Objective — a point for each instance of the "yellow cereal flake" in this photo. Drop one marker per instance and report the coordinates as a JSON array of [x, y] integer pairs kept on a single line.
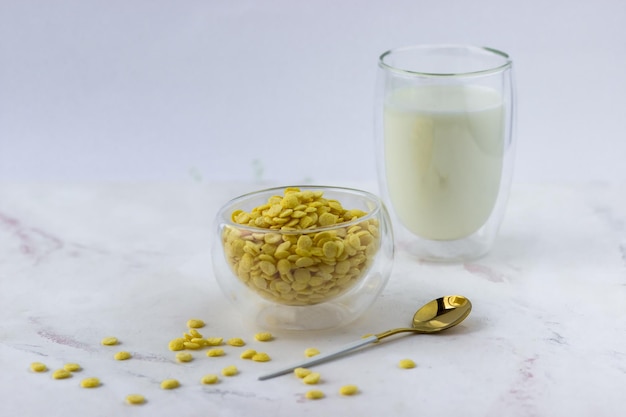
[[90, 382], [302, 372], [214, 341], [110, 341], [195, 334], [348, 390], [261, 357], [406, 364], [38, 367], [263, 336], [314, 394], [122, 355], [312, 378], [199, 341], [215, 352], [72, 367], [235, 341], [302, 265], [230, 371], [248, 354], [311, 352], [61, 374], [192, 345], [209, 379], [135, 399], [177, 344], [184, 357], [170, 384], [195, 323]]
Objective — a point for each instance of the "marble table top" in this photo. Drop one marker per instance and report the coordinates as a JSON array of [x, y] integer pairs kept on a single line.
[[81, 261]]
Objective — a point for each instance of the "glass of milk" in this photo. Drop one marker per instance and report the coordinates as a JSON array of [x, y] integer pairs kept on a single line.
[[444, 138]]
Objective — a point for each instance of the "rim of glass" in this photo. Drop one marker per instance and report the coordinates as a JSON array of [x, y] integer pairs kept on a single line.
[[226, 217], [507, 60]]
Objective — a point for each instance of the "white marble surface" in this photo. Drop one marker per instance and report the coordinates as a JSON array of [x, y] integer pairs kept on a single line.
[[547, 336]]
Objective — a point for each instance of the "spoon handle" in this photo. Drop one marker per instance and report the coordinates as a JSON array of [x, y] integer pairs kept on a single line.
[[321, 358]]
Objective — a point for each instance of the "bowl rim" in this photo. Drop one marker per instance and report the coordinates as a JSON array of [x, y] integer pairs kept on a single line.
[[224, 213]]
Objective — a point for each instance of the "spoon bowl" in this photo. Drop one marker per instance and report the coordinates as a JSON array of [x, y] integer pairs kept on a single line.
[[442, 313], [433, 317]]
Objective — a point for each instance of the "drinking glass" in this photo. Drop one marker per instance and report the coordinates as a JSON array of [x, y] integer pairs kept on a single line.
[[445, 147]]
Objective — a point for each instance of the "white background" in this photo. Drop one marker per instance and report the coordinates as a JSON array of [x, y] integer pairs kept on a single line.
[[283, 90]]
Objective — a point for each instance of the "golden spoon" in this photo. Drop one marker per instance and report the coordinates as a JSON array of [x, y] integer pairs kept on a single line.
[[433, 317]]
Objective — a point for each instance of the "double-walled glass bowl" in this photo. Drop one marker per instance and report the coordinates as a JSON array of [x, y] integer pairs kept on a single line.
[[303, 258]]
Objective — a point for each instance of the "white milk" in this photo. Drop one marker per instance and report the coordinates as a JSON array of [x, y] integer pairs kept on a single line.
[[443, 156]]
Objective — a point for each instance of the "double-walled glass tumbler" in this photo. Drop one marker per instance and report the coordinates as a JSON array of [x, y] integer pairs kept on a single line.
[[444, 136]]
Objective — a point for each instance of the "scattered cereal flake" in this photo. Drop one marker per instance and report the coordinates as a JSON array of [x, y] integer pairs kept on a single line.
[[184, 357], [191, 345], [38, 367], [406, 364], [135, 399], [110, 341], [230, 371], [170, 384], [302, 372], [177, 344], [214, 341], [209, 379], [312, 378], [90, 382], [248, 354], [215, 352], [72, 367], [195, 323], [348, 390], [195, 334], [122, 355], [261, 357], [311, 352], [314, 394], [263, 336], [200, 341], [236, 341], [61, 374]]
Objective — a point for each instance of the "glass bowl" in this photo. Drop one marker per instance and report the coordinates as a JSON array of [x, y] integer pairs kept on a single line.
[[303, 257]]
